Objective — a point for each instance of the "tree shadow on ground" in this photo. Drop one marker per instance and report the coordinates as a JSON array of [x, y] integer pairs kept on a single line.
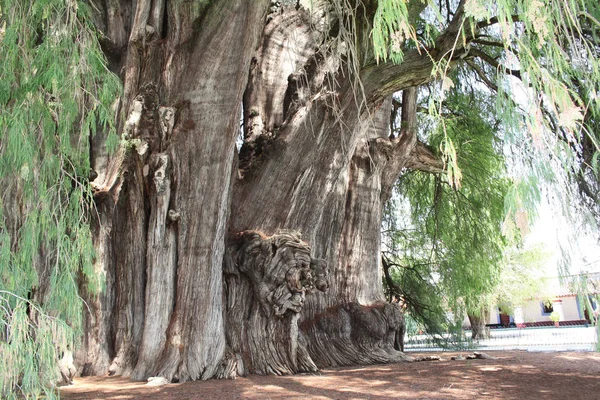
[[515, 375]]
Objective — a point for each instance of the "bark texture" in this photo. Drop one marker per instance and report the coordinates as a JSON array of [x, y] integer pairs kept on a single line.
[[163, 196], [479, 330], [325, 171], [268, 280], [296, 215]]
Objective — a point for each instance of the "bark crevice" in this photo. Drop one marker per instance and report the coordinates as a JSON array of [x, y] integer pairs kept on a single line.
[[163, 196], [315, 159]]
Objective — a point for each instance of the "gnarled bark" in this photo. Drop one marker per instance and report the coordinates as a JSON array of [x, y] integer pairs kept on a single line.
[[163, 196], [328, 169], [267, 281], [317, 158]]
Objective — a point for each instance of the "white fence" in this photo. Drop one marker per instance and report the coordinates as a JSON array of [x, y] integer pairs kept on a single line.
[[577, 338]]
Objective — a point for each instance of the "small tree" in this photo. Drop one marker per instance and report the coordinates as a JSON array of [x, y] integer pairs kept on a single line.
[[520, 278]]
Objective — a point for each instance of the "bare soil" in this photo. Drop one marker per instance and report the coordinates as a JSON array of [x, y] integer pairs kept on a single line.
[[513, 375]]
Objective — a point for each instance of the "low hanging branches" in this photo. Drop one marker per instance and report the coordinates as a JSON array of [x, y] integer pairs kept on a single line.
[[540, 56], [452, 248], [540, 61], [55, 93]]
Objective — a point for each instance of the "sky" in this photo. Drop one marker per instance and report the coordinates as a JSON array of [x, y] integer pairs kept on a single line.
[[554, 231]]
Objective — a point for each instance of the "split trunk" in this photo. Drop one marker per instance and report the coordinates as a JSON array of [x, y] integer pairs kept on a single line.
[[222, 261]]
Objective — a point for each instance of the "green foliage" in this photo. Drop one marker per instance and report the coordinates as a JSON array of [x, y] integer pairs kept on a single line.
[[540, 63], [458, 251], [391, 28], [556, 49], [55, 92], [415, 285], [454, 239], [543, 59], [520, 277]]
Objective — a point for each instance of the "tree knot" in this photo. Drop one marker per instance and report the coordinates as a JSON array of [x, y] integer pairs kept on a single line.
[[279, 267]]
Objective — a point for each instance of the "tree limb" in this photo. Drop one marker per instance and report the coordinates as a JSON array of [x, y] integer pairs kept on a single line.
[[382, 80], [482, 75], [495, 20], [409, 110], [393, 287], [490, 60], [410, 152], [423, 159], [488, 43]]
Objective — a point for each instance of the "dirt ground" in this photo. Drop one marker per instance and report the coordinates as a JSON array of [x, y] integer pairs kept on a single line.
[[513, 375]]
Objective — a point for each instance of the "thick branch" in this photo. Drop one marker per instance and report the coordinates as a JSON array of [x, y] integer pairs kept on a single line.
[[405, 151], [397, 150], [384, 79], [397, 104], [490, 60], [409, 110], [488, 43], [423, 159], [394, 289], [495, 20], [482, 75]]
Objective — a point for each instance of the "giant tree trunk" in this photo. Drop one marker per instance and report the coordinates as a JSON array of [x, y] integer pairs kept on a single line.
[[300, 286], [163, 196], [323, 167]]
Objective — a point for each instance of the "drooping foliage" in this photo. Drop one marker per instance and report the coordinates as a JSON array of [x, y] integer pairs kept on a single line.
[[539, 61], [548, 97], [451, 248], [55, 92], [540, 57]]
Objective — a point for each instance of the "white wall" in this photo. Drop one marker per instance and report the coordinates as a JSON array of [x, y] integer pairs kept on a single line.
[[532, 310], [570, 308]]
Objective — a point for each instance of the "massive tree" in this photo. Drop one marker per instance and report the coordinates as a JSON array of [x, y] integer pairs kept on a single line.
[[225, 250], [297, 214]]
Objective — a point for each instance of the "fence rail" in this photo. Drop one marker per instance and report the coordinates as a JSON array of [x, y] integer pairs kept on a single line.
[[571, 338]]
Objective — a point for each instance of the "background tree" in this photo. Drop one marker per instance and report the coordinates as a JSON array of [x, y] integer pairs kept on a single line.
[[520, 278], [219, 262], [461, 251]]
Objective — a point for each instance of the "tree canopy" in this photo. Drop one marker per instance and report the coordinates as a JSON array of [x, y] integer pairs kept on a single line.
[[455, 233], [512, 97]]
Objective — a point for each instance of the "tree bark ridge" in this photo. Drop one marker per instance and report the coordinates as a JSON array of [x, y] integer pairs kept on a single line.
[[184, 72], [267, 280]]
